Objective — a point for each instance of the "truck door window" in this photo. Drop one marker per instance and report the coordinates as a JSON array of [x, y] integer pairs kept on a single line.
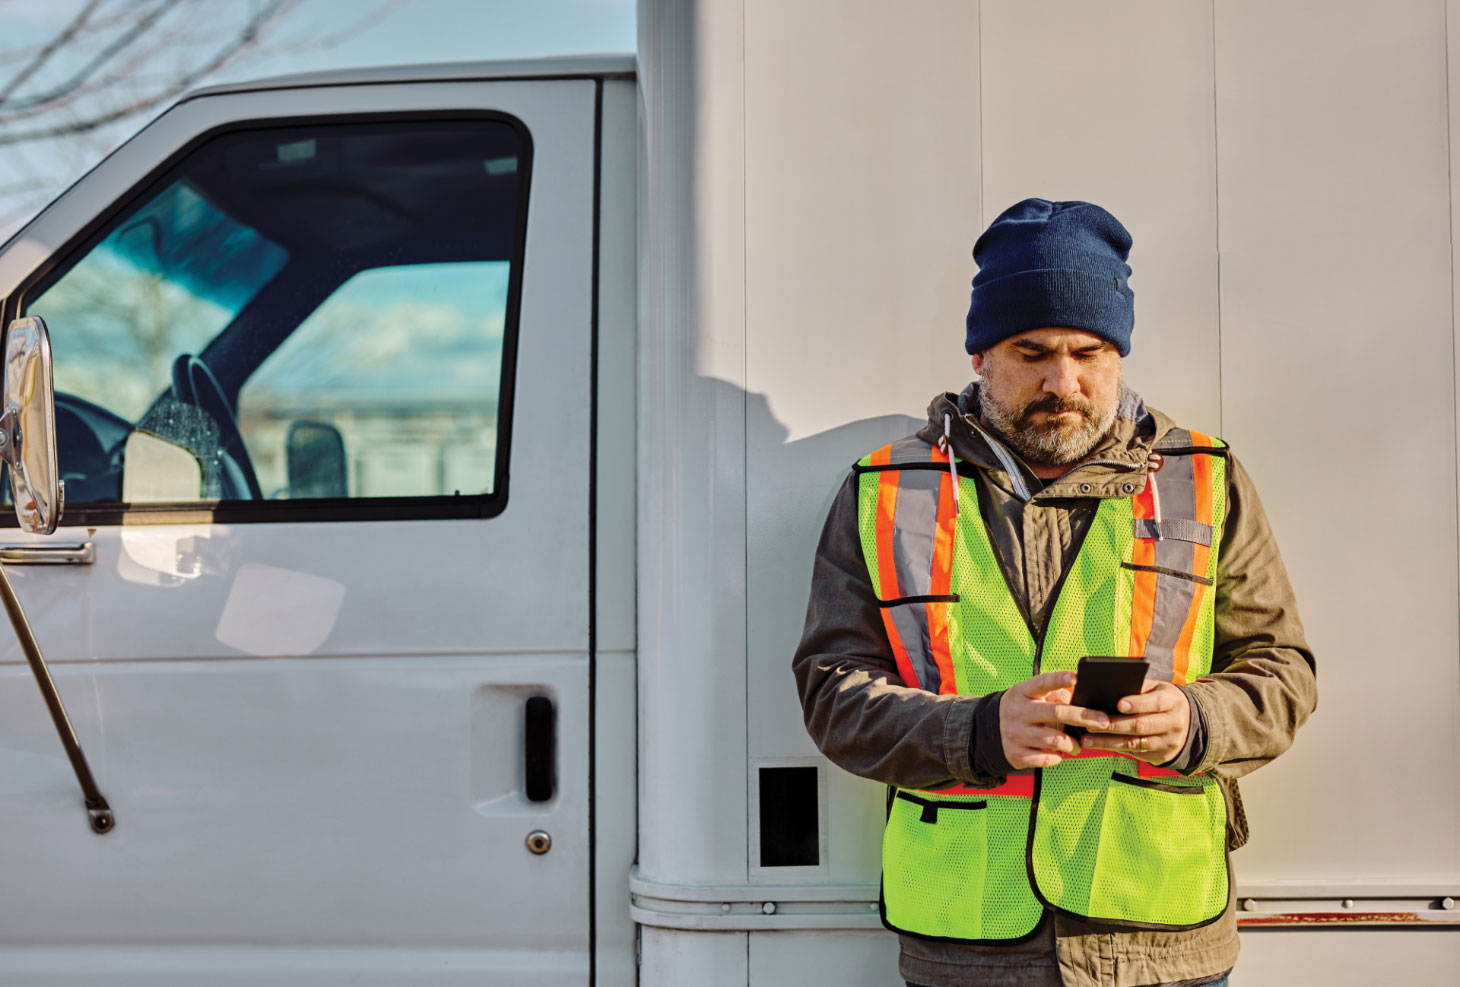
[[321, 316], [394, 363]]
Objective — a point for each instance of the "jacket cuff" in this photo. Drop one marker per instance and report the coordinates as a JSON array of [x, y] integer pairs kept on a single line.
[[957, 738], [1196, 737], [986, 751]]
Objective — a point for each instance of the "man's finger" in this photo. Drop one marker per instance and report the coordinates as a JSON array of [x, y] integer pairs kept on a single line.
[[1043, 685], [1145, 725], [1152, 699], [1158, 748], [1045, 739], [1079, 716]]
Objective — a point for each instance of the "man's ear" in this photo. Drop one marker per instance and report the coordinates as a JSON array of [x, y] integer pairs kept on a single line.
[[978, 362]]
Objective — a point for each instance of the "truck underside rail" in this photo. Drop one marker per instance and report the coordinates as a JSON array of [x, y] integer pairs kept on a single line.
[[764, 907]]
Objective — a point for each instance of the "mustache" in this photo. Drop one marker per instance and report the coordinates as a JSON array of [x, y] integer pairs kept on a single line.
[[1054, 404]]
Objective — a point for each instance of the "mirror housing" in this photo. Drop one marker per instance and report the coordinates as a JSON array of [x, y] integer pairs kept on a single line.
[[28, 426], [315, 452]]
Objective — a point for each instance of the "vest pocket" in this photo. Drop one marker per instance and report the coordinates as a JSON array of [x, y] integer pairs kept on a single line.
[[953, 868], [1162, 855]]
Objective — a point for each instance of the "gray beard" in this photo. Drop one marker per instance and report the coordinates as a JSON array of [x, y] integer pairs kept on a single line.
[[1051, 444]]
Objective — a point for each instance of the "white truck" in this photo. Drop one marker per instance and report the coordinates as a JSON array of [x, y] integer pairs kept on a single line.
[[444, 450]]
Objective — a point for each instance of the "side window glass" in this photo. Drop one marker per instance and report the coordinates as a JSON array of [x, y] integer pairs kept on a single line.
[[307, 314], [379, 393]]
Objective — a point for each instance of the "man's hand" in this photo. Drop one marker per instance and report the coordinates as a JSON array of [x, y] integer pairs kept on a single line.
[[1032, 717], [1155, 731]]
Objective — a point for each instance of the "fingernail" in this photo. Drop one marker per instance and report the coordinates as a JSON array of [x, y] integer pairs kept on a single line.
[[1125, 707]]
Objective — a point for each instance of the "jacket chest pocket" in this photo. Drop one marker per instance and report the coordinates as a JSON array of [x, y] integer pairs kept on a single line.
[[1175, 547]]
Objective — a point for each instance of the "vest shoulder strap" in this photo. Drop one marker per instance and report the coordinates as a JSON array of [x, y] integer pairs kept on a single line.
[[1184, 442]]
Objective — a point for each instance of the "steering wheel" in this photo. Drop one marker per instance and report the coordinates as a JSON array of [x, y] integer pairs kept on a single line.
[[194, 384]]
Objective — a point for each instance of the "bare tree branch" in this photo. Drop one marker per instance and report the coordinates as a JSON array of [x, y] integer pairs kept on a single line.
[[245, 39], [38, 62], [117, 45]]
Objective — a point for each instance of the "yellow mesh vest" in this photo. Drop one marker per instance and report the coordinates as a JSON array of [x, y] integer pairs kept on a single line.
[[1099, 837]]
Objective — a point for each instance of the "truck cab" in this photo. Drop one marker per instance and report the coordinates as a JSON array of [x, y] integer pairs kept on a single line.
[[327, 355]]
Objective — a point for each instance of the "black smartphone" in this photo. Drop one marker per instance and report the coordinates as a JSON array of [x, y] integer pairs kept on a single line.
[[1103, 681]]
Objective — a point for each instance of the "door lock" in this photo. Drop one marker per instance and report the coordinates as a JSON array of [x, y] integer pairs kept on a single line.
[[539, 842]]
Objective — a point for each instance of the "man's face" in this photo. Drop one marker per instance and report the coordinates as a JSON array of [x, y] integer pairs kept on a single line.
[[1051, 393]]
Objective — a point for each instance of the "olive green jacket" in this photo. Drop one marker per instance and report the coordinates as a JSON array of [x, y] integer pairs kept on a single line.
[[1244, 714]]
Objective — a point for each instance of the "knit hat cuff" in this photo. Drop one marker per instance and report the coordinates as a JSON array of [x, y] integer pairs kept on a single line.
[[1099, 303]]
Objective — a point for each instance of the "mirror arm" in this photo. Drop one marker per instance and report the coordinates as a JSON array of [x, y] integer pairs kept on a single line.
[[97, 810]]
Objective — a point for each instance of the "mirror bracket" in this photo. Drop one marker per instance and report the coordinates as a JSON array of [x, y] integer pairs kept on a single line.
[[28, 405]]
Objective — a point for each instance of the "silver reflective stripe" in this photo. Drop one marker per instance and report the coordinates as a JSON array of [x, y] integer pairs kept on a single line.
[[911, 621], [1178, 485], [1173, 603], [914, 525]]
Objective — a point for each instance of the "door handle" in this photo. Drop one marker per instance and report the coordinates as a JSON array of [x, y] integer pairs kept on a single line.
[[540, 748], [45, 553]]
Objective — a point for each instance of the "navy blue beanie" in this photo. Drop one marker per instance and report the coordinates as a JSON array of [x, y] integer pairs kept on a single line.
[[1043, 264]]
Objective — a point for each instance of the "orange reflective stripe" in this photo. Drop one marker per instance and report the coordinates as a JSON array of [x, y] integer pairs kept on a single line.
[[886, 567], [1143, 594], [1201, 477], [1145, 770], [942, 581], [1181, 654]]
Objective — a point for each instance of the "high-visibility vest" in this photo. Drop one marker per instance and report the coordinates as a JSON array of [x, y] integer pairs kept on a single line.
[[1103, 837]]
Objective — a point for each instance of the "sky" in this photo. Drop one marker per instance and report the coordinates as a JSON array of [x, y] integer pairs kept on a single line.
[[312, 35]]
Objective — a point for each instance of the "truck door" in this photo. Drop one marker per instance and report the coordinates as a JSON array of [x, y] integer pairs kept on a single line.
[[322, 369]]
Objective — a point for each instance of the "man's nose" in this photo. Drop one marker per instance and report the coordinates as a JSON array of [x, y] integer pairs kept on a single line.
[[1062, 379]]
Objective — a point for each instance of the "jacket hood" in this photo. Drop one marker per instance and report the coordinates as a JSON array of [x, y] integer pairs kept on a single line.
[[1118, 460]]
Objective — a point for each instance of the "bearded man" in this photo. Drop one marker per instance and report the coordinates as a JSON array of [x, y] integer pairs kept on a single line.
[[1044, 515]]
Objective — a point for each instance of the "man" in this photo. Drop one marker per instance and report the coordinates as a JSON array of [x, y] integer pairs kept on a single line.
[[1043, 515]]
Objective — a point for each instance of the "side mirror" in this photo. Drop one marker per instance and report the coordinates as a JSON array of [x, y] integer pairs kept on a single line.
[[28, 426], [316, 458]]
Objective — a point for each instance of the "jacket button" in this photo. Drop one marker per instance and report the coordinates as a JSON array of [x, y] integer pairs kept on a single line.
[[1128, 487], [1084, 488]]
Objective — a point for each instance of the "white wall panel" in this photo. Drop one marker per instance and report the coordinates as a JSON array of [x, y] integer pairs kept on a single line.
[[861, 204], [1112, 103], [1413, 958], [779, 960], [706, 959], [1338, 387]]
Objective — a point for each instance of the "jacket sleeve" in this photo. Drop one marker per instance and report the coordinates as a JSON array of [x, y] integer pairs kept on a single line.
[[1263, 686], [857, 709]]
